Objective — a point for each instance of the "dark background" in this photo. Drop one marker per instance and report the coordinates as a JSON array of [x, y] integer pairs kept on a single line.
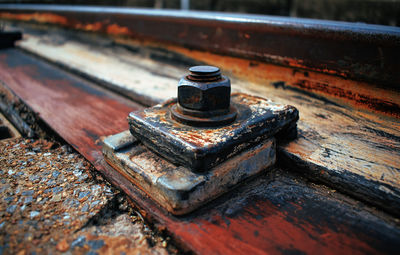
[[385, 12]]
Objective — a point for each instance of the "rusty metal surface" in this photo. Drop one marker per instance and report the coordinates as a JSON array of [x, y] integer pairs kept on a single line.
[[155, 77], [178, 189], [350, 50], [201, 148], [204, 97], [275, 213]]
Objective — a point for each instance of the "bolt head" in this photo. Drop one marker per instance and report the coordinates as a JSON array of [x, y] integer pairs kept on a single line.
[[204, 92]]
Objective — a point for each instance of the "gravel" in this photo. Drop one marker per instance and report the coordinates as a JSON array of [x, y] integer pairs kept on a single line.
[[53, 201]]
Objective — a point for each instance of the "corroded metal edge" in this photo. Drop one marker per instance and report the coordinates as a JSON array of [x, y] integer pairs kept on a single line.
[[348, 48], [175, 188], [201, 148]]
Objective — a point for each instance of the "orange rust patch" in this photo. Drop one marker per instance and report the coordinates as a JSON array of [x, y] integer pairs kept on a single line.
[[356, 93], [97, 26], [38, 17], [115, 29]]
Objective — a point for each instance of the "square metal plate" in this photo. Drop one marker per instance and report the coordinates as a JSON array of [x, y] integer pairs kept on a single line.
[[177, 188], [200, 148]]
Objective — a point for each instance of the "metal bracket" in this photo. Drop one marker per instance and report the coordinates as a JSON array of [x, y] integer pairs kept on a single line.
[[182, 167], [177, 188]]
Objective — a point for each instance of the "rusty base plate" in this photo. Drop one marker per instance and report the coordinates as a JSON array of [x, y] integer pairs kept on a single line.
[[176, 188], [200, 148]]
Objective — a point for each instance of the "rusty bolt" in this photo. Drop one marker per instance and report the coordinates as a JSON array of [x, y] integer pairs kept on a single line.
[[204, 89], [204, 97]]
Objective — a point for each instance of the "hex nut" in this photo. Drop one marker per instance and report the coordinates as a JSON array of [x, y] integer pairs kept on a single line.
[[204, 96]]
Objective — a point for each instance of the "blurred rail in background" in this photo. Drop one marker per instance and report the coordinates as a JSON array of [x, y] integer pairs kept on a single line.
[[384, 12]]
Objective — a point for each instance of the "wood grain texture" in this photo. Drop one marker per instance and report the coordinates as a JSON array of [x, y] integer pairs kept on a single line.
[[276, 213], [77, 110], [349, 149]]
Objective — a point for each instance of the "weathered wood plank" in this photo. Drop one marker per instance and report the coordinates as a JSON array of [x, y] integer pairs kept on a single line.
[[274, 214], [351, 150], [138, 77], [77, 110]]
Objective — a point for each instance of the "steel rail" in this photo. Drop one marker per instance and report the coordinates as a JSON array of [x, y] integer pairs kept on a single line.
[[353, 50]]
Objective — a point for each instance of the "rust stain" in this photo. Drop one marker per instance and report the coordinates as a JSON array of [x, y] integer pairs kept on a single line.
[[356, 93], [112, 29], [115, 29], [38, 17], [97, 26]]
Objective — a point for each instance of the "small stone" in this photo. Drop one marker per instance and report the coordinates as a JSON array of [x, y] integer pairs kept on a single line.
[[96, 244], [56, 198], [56, 217], [42, 201], [85, 208], [33, 214], [62, 246], [28, 236], [79, 242], [8, 199], [48, 190], [11, 208], [33, 178], [77, 173], [57, 189], [83, 177], [28, 193], [51, 183], [55, 174], [94, 203], [28, 200], [74, 203], [83, 194]]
